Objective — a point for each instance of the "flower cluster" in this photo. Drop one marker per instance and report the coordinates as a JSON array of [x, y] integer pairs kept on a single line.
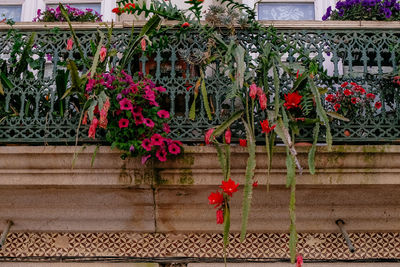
[[74, 14], [128, 7], [218, 199], [351, 98], [364, 10], [256, 91], [136, 123]]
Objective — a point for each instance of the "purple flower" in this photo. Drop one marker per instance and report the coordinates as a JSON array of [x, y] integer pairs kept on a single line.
[[327, 14], [119, 97], [132, 148], [49, 57]]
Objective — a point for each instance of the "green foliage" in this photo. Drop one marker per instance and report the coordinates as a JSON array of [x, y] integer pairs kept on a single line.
[[205, 97], [311, 153], [248, 187], [226, 124], [164, 9]]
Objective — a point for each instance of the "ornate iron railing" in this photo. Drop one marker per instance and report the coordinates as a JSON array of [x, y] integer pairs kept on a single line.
[[366, 56]]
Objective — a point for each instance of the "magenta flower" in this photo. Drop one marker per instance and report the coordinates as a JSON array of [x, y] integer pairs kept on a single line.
[[145, 158], [123, 123], [146, 144], [174, 149], [207, 136], [157, 140], [89, 86], [138, 119], [161, 154], [166, 128], [125, 104], [163, 114], [132, 148], [161, 89], [148, 122], [136, 110]]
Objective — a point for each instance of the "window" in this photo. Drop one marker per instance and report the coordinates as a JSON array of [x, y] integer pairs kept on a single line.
[[93, 6], [290, 9], [11, 12], [286, 11]]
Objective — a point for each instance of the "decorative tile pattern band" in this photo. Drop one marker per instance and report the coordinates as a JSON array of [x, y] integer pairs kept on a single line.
[[313, 246]]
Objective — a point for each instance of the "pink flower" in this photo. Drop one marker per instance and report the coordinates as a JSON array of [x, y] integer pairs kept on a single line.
[[299, 261], [123, 123], [220, 217], [70, 43], [145, 158], [163, 114], [166, 128], [148, 122], [263, 101], [136, 110], [146, 144], [103, 119], [174, 149], [207, 136], [161, 154], [143, 44], [103, 54], [84, 121], [93, 126], [253, 91], [132, 148], [138, 119], [228, 135], [125, 104], [157, 140]]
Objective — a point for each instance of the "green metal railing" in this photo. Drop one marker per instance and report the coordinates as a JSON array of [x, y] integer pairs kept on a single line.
[[366, 56]]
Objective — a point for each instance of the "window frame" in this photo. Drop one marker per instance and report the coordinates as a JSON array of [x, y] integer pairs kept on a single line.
[[320, 6], [30, 7]]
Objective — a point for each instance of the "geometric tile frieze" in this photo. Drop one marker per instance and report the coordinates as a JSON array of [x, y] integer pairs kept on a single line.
[[22, 246]]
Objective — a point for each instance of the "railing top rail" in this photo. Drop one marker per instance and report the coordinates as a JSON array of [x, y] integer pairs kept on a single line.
[[279, 24]]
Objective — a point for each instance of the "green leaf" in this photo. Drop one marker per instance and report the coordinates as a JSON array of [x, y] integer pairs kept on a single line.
[[94, 156], [192, 112], [227, 225], [311, 153], [277, 89], [102, 98], [290, 168], [205, 97], [23, 61], [321, 113], [248, 186], [337, 116], [226, 124], [91, 109]]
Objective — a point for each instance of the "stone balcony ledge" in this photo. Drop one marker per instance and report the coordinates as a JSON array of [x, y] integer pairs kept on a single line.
[[52, 166]]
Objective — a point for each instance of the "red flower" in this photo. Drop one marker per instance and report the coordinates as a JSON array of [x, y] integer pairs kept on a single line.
[[228, 135], [263, 101], [265, 127], [330, 98], [347, 92], [129, 5], [125, 104], [207, 136], [220, 217], [117, 10], [188, 88], [298, 74], [359, 89], [292, 100], [93, 126], [378, 105], [70, 43], [185, 25], [396, 79], [243, 142], [299, 261], [84, 121], [123, 123], [255, 184], [355, 100], [336, 106], [229, 187], [371, 96], [216, 199], [343, 85]]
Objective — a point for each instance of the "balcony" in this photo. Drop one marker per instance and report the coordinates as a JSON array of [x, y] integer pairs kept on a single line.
[[356, 182]]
